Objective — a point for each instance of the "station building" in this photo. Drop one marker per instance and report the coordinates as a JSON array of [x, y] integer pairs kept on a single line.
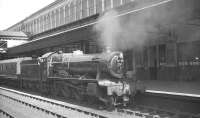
[[170, 50]]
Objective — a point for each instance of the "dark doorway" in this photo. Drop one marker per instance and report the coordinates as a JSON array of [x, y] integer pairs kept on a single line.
[[153, 62]]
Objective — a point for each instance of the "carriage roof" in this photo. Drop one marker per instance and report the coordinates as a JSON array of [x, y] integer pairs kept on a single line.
[[15, 60]]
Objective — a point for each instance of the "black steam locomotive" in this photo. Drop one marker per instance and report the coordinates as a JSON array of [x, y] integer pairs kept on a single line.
[[72, 75]]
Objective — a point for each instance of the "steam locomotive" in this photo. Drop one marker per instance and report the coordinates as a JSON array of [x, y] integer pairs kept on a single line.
[[72, 75]]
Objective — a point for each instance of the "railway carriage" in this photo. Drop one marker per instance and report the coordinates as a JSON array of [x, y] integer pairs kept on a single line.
[[10, 70]]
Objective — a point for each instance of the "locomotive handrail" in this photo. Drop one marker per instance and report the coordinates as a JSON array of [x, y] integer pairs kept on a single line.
[[72, 78], [29, 64]]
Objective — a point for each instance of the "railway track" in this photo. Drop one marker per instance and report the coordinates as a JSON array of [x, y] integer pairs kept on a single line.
[[169, 105], [150, 112], [34, 105], [45, 107], [27, 104]]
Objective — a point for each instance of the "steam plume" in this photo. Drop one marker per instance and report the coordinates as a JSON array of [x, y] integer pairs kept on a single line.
[[109, 29], [136, 29], [121, 33]]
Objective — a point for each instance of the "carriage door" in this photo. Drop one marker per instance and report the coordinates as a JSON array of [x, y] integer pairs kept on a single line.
[[152, 62]]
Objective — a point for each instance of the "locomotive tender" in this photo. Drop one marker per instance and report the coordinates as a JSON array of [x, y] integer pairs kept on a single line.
[[72, 75]]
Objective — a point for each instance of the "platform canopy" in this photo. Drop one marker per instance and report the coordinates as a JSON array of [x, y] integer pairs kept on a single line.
[[13, 35], [73, 32], [11, 38]]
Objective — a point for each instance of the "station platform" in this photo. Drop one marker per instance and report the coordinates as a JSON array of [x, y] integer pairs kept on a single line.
[[186, 88]]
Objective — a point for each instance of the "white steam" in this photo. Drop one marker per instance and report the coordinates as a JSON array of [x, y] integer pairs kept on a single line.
[[122, 33], [109, 29], [136, 29]]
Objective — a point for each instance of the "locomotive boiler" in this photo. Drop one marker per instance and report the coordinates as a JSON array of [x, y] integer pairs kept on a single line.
[[108, 65]]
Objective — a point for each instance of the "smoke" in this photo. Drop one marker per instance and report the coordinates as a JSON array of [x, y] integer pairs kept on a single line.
[[136, 29], [122, 33], [109, 29]]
